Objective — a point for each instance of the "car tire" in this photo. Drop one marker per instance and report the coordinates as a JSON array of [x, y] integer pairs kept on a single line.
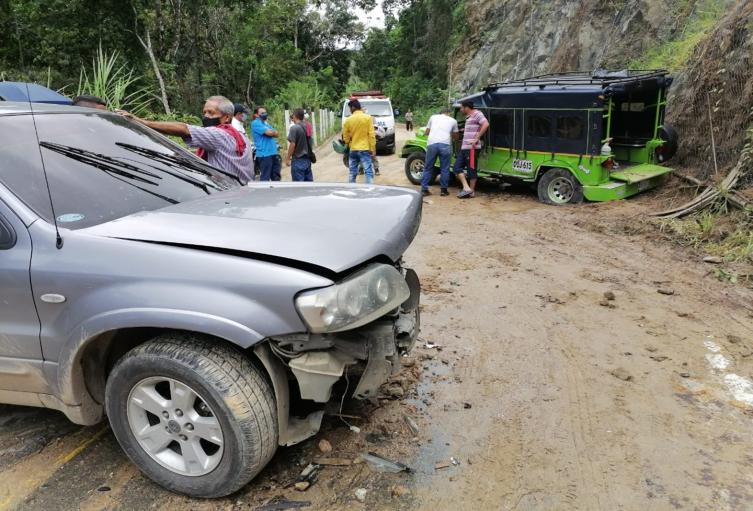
[[224, 438], [414, 166], [671, 141], [559, 187]]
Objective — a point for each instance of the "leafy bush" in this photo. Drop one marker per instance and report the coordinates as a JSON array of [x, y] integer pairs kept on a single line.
[[115, 83]]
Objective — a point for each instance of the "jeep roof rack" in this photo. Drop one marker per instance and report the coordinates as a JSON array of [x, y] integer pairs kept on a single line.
[[599, 77]]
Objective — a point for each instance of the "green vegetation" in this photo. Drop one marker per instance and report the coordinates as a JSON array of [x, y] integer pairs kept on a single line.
[[672, 54], [182, 52], [408, 58], [717, 232]]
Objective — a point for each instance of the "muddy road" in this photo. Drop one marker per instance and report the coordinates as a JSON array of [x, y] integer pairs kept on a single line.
[[564, 364]]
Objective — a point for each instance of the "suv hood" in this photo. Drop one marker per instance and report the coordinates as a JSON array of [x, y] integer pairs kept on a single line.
[[336, 227]]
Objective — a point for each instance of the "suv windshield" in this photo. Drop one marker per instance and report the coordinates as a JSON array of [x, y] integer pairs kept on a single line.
[[100, 167], [373, 108]]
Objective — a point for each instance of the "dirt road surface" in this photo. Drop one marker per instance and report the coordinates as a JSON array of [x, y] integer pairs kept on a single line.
[[576, 365]]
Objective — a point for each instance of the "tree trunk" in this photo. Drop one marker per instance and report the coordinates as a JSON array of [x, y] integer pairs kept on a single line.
[[148, 47]]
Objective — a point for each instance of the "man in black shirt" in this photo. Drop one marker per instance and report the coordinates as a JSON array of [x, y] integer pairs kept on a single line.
[[298, 149]]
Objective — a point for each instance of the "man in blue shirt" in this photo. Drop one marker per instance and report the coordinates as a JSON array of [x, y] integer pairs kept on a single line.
[[267, 152]]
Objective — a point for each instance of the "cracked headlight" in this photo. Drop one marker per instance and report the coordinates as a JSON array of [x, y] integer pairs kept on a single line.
[[361, 298]]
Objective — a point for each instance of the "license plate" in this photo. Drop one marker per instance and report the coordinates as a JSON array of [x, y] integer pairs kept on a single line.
[[524, 166]]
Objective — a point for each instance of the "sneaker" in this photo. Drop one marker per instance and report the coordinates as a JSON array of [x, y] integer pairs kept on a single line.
[[425, 192], [444, 192], [465, 194]]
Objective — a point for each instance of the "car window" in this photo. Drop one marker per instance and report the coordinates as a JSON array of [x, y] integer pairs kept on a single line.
[[7, 235], [539, 126], [500, 128], [570, 127], [100, 167]]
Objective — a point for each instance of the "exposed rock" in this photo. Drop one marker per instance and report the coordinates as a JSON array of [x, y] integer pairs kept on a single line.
[[324, 446], [622, 374]]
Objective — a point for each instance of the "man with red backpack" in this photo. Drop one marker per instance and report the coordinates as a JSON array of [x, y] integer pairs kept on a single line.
[[216, 141]]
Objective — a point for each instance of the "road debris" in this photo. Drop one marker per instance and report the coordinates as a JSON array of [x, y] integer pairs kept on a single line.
[[659, 358], [665, 291], [333, 462], [621, 374], [355, 429], [308, 477], [361, 494], [398, 491], [281, 504], [411, 424], [324, 446], [467, 405], [440, 465], [430, 345], [302, 485], [381, 464], [609, 295], [606, 303], [713, 260]]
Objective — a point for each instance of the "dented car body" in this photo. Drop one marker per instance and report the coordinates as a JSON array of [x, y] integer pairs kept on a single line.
[[282, 286]]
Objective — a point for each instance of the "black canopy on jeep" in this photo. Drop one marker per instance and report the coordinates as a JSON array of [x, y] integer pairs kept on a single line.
[[576, 90]]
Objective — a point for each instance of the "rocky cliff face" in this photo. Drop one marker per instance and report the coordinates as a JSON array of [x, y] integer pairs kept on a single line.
[[517, 38]]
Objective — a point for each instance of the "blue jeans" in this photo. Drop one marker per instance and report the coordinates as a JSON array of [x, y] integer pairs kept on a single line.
[[269, 168], [444, 152], [363, 157], [300, 169], [463, 161]]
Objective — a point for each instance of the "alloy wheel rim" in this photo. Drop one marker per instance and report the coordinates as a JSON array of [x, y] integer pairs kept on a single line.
[[175, 426], [417, 169], [560, 190]]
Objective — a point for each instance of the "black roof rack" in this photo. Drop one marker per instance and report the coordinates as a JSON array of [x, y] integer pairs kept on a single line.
[[600, 77]]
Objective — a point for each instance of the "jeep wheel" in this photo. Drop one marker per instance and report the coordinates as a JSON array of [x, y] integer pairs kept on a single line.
[[414, 168], [196, 417], [671, 140], [559, 186]]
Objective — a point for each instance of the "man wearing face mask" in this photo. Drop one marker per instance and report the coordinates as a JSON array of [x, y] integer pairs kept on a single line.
[[216, 141], [239, 118], [267, 150]]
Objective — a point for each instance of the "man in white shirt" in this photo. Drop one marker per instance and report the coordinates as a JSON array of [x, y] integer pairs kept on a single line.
[[238, 117], [442, 129]]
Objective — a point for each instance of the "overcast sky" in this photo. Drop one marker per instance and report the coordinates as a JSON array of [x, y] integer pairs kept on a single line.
[[373, 18]]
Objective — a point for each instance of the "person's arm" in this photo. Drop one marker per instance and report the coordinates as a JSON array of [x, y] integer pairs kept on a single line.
[[346, 132], [291, 146], [455, 132], [261, 128], [428, 126], [175, 129], [484, 127], [372, 138]]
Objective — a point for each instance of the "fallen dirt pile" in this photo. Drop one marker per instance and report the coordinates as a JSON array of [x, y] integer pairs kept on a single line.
[[717, 83]]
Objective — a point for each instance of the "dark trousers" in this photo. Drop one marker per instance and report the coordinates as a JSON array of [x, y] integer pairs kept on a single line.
[[270, 168], [300, 169], [409, 125]]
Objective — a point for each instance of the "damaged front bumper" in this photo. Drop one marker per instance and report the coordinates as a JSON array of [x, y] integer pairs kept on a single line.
[[368, 355]]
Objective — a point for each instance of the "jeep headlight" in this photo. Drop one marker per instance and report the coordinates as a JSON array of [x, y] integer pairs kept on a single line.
[[361, 298]]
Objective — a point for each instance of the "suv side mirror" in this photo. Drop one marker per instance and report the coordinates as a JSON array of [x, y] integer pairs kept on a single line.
[[7, 235]]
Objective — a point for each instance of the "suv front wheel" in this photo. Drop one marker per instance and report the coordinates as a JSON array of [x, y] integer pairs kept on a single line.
[[558, 187], [414, 167], [195, 416]]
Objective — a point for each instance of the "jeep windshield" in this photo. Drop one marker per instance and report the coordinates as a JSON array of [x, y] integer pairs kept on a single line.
[[374, 108], [100, 167]]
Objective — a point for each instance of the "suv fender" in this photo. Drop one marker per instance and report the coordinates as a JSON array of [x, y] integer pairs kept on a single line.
[[72, 387]]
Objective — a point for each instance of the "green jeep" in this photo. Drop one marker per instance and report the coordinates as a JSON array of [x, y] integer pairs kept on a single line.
[[599, 136]]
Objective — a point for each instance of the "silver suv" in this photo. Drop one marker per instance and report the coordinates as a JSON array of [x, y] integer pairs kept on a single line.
[[140, 283]]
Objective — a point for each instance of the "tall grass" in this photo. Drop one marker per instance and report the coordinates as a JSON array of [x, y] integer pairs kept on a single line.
[[115, 83]]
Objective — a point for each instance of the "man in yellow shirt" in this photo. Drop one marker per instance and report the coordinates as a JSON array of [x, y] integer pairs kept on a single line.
[[358, 133]]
